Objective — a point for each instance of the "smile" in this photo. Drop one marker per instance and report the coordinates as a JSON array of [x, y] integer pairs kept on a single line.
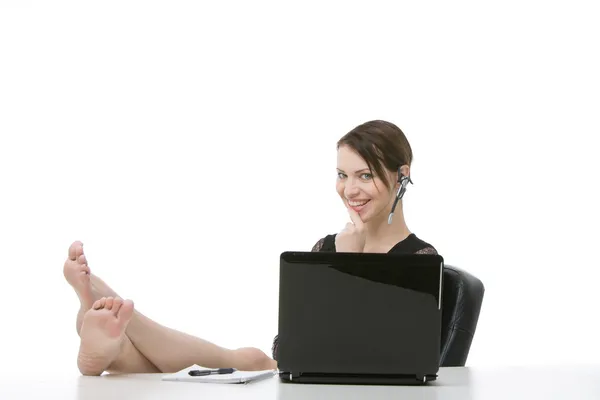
[[357, 203]]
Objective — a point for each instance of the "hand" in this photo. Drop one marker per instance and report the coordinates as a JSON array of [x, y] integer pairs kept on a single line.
[[252, 359], [352, 238]]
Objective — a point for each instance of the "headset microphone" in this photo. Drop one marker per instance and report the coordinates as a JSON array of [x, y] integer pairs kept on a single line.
[[403, 181]]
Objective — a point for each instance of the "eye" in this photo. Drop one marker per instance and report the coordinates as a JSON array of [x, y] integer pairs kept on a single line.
[[341, 175], [367, 176]]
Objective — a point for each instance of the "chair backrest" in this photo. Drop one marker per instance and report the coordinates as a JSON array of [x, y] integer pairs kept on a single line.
[[461, 304]]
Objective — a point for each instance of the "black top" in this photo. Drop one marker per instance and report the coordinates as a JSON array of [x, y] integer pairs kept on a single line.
[[411, 245]]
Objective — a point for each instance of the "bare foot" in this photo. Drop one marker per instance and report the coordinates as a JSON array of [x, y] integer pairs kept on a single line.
[[78, 273], [103, 334], [253, 359]]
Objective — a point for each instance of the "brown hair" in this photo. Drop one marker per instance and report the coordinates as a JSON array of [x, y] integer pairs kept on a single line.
[[381, 144]]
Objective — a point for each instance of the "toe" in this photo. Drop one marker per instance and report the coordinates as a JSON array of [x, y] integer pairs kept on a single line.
[[100, 303], [109, 303], [75, 250], [118, 302], [86, 269], [81, 259], [79, 250], [126, 311]]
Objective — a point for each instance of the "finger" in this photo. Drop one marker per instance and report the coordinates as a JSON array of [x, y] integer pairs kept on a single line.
[[355, 217]]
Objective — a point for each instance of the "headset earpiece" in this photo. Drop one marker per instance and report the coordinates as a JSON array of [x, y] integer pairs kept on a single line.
[[403, 183]]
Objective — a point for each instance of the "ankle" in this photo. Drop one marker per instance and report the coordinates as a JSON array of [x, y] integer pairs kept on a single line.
[[251, 359]]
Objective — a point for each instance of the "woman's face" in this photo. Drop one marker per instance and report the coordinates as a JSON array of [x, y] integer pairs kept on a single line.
[[360, 189]]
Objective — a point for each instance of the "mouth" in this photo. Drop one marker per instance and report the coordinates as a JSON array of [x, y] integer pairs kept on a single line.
[[357, 205]]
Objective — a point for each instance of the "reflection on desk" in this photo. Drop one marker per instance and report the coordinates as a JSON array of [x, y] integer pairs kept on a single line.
[[452, 383]]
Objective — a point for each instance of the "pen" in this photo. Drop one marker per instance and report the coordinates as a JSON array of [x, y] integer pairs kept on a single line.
[[204, 372]]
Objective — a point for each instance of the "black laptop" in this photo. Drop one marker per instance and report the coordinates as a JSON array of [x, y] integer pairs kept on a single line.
[[359, 318]]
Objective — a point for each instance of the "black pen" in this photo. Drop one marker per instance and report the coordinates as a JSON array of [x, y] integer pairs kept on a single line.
[[204, 372]]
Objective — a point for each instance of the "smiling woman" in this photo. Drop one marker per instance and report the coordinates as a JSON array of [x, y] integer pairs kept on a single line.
[[373, 168], [373, 162]]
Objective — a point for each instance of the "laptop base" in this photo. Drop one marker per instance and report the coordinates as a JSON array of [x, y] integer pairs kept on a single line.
[[356, 379]]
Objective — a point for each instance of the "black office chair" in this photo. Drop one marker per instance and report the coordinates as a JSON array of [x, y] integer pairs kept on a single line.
[[461, 303]]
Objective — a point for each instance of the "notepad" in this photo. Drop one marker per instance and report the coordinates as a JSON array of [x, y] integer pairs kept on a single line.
[[236, 377]]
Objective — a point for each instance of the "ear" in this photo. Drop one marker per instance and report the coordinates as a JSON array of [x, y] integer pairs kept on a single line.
[[404, 171]]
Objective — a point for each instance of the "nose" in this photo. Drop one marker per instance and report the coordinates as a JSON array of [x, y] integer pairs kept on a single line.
[[351, 189]]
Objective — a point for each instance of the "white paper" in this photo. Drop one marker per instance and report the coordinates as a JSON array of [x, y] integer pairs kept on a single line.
[[236, 377]]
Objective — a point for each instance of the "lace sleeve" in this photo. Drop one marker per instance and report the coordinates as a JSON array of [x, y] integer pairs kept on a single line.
[[318, 246], [427, 250]]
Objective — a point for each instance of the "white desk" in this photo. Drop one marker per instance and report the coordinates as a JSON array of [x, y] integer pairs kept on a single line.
[[548, 383]]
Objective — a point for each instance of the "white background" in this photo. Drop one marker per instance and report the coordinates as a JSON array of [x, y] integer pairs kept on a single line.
[[188, 145]]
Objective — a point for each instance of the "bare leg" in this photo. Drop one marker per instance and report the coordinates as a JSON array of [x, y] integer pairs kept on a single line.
[[171, 350], [128, 359]]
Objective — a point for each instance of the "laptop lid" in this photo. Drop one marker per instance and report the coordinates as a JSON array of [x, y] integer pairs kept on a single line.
[[359, 313]]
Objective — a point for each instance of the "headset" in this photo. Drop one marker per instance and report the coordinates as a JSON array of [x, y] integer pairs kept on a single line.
[[403, 181]]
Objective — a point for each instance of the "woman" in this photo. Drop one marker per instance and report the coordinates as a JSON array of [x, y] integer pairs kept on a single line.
[[373, 169], [373, 164]]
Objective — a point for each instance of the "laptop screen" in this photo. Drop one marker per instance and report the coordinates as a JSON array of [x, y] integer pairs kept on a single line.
[[359, 313]]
